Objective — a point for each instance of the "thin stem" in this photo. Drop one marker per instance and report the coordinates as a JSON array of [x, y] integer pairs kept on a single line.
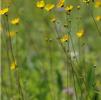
[[13, 57], [8, 55]]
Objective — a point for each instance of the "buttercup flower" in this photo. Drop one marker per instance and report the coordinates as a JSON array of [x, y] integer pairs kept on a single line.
[[40, 4], [80, 33], [13, 65], [12, 34], [78, 7], [60, 3], [49, 7], [15, 21], [86, 1], [98, 4], [53, 19], [64, 38], [98, 18], [3, 11], [69, 8]]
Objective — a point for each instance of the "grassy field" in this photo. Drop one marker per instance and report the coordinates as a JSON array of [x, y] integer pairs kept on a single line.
[[50, 50]]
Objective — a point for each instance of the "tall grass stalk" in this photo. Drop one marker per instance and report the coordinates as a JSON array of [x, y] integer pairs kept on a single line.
[[13, 60]]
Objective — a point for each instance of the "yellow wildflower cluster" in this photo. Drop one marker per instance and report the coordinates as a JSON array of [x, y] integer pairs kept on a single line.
[[98, 5], [65, 38], [41, 4], [3, 11], [48, 7]]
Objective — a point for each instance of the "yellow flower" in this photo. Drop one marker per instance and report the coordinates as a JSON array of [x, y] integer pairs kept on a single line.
[[60, 3], [64, 38], [80, 33], [40, 4], [86, 1], [98, 4], [49, 7], [69, 8], [78, 7], [12, 34], [53, 19], [3, 11], [98, 18], [15, 21], [13, 65]]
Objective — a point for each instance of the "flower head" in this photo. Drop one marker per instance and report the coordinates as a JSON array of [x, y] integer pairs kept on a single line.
[[12, 34], [60, 3], [3, 11], [53, 19], [49, 7], [69, 8], [98, 18], [40, 4], [98, 4], [78, 7], [65, 38], [80, 33], [15, 21], [86, 1], [13, 65]]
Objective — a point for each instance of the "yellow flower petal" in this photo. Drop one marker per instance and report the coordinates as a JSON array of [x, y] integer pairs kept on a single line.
[[86, 1], [49, 7], [78, 7], [60, 3], [40, 4], [98, 18], [69, 8], [15, 21], [53, 19], [64, 38], [12, 34], [80, 33], [13, 66], [98, 4], [3, 11]]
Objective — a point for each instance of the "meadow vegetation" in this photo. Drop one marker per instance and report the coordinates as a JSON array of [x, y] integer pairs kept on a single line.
[[50, 49]]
